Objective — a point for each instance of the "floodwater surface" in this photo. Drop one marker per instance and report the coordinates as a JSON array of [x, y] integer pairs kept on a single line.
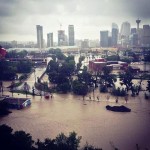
[[89, 118]]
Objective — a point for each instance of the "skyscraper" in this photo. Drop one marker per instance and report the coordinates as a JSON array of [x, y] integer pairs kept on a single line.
[[50, 40], [125, 30], [39, 36], [146, 35], [104, 38], [61, 38], [71, 35], [133, 30], [125, 33], [114, 34]]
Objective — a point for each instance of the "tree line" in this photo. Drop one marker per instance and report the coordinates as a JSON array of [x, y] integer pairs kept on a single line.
[[20, 140]]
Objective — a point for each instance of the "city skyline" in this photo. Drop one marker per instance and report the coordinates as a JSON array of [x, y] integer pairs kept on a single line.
[[18, 21]]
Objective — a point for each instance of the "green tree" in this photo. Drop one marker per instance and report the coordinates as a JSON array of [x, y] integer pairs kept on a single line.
[[148, 86], [23, 141], [64, 87], [80, 88], [53, 76], [24, 67], [68, 143], [126, 78], [6, 137], [48, 144], [67, 68], [8, 70], [107, 77], [85, 77], [52, 66], [90, 147]]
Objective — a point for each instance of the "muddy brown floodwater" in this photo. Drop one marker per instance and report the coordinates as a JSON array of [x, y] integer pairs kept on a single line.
[[89, 118], [99, 127]]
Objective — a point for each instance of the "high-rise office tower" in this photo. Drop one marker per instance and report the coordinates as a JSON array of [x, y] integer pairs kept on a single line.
[[39, 36], [133, 37], [146, 35], [50, 40], [71, 35], [125, 30], [115, 32], [61, 38], [104, 38], [133, 30], [125, 33]]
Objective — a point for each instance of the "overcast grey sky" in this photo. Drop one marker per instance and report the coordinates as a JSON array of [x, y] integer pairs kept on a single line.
[[18, 18]]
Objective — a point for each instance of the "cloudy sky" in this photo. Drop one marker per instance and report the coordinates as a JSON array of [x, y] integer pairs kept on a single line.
[[18, 18]]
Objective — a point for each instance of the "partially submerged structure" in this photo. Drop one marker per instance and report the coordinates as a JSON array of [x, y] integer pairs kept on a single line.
[[17, 103]]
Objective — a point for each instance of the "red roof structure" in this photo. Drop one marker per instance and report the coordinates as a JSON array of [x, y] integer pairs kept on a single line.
[[2, 52]]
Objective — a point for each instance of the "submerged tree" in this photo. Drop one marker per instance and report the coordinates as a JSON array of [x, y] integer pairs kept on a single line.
[[80, 88], [126, 78], [107, 77]]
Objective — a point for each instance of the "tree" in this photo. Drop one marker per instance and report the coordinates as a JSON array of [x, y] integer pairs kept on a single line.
[[90, 147], [4, 108], [64, 87], [85, 77], [53, 76], [15, 54], [52, 66], [24, 67], [148, 86], [23, 141], [107, 78], [73, 141], [67, 68], [126, 78], [80, 88], [6, 137], [8, 70], [68, 143], [48, 144]]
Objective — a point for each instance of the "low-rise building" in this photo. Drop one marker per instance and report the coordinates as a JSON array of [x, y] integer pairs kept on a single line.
[[98, 64]]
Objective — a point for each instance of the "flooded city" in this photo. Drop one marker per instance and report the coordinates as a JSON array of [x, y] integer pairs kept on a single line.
[[88, 118]]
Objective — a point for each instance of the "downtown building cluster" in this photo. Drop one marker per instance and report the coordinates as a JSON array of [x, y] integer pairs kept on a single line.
[[62, 37], [127, 37], [124, 37]]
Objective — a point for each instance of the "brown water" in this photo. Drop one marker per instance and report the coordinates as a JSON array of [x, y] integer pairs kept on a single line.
[[99, 127], [90, 119]]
